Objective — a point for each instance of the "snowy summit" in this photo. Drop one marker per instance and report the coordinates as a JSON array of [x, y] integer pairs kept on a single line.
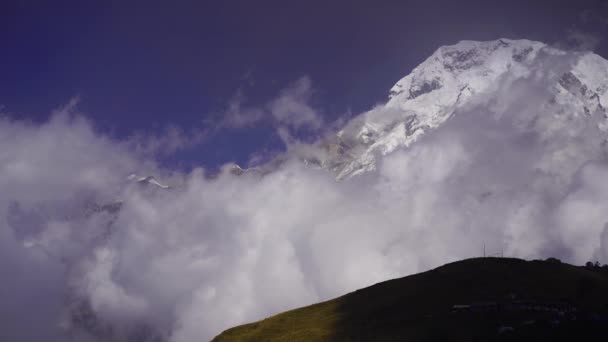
[[456, 77]]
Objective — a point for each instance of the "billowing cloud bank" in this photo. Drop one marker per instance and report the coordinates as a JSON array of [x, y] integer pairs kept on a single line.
[[507, 172]]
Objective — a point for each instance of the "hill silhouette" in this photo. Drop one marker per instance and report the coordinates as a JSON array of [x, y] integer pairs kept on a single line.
[[481, 299]]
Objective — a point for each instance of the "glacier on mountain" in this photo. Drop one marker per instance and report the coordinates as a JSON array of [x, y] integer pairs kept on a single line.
[[452, 79]]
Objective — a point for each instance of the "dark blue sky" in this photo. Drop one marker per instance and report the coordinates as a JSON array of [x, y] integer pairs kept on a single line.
[[141, 65]]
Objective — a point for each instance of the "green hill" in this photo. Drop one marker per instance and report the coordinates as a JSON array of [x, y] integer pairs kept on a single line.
[[482, 299]]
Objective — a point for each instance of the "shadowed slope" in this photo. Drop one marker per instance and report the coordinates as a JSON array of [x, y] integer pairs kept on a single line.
[[420, 307]]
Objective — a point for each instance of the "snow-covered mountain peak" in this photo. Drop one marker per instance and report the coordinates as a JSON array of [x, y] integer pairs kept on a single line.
[[147, 180], [468, 63], [451, 79]]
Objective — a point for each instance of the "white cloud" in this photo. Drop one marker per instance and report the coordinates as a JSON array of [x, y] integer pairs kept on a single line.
[[184, 264], [239, 116], [170, 140], [581, 40], [290, 108]]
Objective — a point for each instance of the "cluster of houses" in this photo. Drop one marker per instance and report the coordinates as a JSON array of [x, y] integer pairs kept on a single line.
[[557, 307], [552, 312]]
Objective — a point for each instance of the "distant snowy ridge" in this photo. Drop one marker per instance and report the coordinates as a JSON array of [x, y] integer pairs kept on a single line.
[[147, 180]]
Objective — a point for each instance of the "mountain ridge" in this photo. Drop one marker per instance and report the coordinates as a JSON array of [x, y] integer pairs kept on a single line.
[[454, 77], [473, 299]]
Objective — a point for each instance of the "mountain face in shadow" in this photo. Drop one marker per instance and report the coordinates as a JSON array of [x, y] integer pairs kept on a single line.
[[482, 299]]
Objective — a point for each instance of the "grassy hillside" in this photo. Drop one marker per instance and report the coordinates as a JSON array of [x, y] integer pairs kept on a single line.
[[420, 307]]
